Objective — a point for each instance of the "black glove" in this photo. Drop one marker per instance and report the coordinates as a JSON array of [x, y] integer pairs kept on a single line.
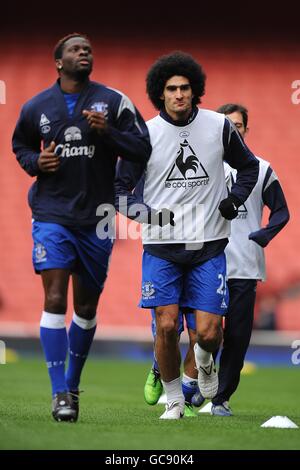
[[162, 217], [229, 207]]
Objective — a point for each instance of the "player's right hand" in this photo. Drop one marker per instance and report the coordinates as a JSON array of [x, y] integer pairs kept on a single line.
[[48, 161], [228, 207]]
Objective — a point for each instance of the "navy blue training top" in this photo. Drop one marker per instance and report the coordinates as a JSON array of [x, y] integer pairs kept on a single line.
[[85, 178]]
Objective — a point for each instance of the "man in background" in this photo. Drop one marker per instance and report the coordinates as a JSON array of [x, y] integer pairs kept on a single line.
[[245, 263]]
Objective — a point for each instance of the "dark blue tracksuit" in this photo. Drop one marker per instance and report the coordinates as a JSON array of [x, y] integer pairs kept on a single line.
[[86, 174]]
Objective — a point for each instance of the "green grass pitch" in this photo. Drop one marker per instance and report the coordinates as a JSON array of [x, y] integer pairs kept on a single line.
[[114, 416]]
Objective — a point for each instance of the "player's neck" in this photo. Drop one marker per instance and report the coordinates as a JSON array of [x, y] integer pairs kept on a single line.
[[182, 120], [70, 85]]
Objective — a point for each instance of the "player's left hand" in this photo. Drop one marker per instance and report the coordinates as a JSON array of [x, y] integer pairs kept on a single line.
[[259, 238], [96, 120]]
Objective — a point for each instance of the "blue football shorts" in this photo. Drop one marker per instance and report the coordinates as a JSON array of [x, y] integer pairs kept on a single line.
[[190, 320], [77, 249], [202, 287]]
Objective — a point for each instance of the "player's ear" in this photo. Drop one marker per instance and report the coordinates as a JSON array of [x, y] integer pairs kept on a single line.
[[58, 64]]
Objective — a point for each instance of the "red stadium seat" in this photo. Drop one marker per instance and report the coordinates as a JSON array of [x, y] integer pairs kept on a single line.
[[258, 78]]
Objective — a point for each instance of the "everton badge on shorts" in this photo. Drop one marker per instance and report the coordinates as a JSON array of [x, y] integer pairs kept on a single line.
[[40, 253], [148, 290]]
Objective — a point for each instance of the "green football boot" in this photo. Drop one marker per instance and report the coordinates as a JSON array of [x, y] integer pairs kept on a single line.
[[153, 387], [189, 411]]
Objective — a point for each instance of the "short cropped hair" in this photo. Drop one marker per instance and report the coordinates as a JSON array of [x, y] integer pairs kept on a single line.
[[58, 49], [230, 108], [175, 63]]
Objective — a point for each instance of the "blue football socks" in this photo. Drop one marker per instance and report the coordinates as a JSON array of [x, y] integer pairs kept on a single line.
[[54, 340], [81, 334]]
